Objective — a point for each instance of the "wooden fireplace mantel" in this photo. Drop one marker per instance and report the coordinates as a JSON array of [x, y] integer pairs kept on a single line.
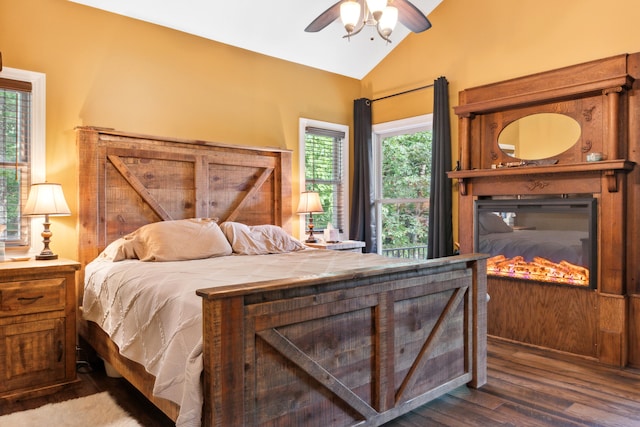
[[608, 168], [594, 94], [602, 97]]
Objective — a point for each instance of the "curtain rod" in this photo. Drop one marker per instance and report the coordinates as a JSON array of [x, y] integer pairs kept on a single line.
[[402, 93]]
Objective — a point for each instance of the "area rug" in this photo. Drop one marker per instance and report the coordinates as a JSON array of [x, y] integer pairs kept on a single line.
[[96, 410]]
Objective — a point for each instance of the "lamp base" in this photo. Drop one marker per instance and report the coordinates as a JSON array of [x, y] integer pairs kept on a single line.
[[310, 238], [46, 234], [46, 256]]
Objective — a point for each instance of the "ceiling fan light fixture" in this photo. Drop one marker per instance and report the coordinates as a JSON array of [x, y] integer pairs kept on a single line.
[[388, 21], [350, 14], [376, 7], [383, 15]]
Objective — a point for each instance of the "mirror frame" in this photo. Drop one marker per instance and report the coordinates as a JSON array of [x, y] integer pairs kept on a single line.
[[539, 136]]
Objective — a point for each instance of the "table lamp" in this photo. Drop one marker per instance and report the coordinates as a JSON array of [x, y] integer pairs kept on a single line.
[[310, 204], [46, 199]]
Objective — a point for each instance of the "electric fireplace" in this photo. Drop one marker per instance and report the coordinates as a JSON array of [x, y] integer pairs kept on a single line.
[[548, 240]]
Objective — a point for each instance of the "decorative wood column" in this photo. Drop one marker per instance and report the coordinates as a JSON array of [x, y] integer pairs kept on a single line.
[[613, 125]]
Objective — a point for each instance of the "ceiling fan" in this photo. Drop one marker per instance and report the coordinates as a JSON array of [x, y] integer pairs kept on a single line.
[[383, 14]]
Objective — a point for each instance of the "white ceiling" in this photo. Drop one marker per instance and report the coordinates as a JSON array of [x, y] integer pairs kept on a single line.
[[274, 28]]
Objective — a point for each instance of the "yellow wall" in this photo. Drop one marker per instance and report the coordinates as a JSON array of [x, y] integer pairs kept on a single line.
[[478, 42], [106, 70], [474, 42]]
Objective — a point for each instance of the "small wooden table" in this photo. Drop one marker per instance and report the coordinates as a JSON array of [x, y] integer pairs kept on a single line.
[[37, 327]]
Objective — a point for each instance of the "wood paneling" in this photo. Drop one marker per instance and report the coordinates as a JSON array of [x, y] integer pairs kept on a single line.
[[634, 330], [558, 317]]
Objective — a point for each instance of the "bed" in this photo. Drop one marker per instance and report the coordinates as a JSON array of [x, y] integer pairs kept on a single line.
[[355, 340]]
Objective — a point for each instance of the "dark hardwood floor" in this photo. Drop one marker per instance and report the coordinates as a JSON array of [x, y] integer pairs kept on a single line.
[[526, 387], [529, 387]]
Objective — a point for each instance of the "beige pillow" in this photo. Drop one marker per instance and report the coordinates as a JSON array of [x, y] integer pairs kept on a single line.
[[177, 240], [259, 239], [491, 223], [119, 249]]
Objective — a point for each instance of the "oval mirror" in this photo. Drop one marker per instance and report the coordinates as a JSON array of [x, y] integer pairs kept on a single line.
[[539, 136]]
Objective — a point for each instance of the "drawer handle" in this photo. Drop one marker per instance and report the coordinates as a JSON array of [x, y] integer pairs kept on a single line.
[[30, 300], [60, 351]]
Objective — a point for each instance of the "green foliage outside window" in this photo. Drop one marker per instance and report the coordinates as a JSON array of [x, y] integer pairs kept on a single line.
[[11, 168], [406, 175], [323, 170]]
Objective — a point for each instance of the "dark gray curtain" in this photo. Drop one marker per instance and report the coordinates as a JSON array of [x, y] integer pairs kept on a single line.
[[362, 224], [440, 243]]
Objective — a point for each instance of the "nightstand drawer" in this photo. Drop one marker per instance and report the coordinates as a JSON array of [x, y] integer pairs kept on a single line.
[[32, 296]]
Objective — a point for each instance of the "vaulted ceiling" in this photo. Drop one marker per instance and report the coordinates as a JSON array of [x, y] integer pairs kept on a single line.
[[273, 28]]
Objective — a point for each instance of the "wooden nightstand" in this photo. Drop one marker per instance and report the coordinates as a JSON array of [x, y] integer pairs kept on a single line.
[[37, 327], [345, 245]]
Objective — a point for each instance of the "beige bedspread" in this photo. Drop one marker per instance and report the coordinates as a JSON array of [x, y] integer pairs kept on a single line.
[[152, 312]]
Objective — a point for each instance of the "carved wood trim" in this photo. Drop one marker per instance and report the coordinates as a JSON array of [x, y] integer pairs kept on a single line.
[[609, 168], [465, 141], [613, 100], [563, 83], [612, 181], [536, 184]]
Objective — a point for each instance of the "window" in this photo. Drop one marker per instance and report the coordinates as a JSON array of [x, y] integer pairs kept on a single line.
[[323, 168], [402, 186], [22, 104]]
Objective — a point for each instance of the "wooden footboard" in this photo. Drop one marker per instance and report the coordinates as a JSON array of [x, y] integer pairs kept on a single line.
[[339, 350]]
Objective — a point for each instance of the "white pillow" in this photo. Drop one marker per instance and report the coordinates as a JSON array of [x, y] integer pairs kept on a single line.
[[491, 223], [259, 239], [177, 240]]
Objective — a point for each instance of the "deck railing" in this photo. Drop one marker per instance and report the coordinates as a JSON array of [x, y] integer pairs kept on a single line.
[[412, 252]]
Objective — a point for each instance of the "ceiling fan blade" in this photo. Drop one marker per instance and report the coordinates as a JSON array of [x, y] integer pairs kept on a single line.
[[324, 19], [411, 17]]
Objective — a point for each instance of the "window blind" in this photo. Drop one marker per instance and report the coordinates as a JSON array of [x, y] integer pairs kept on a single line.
[[324, 173], [15, 142]]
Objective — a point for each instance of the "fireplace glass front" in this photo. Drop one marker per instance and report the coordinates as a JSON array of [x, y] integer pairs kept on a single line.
[[549, 240]]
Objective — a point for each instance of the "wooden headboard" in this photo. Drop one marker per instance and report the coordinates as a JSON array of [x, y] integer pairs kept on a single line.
[[128, 180]]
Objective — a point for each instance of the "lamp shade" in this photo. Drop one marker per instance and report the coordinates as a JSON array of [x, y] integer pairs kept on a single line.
[[349, 14], [309, 203], [376, 6], [46, 199], [388, 20]]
